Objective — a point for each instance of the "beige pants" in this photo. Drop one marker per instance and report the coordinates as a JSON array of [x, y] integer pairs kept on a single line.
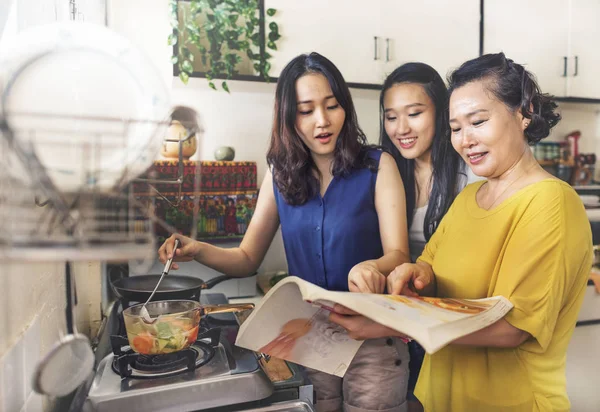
[[376, 380]]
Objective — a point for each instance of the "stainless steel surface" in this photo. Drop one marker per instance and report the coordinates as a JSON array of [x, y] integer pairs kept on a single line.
[[209, 386], [65, 367], [86, 224], [231, 381], [307, 394], [290, 406]]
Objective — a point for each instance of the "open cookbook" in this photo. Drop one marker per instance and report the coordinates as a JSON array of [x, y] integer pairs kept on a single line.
[[291, 322]]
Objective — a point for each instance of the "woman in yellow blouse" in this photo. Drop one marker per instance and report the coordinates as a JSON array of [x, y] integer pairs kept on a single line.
[[521, 234]]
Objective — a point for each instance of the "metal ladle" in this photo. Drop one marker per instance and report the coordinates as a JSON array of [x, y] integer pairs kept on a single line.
[[143, 311]]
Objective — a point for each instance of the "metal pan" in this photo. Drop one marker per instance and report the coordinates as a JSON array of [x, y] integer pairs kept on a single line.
[[139, 288]]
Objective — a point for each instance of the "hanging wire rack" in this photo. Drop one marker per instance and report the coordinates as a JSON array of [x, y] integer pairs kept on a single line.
[[41, 221]]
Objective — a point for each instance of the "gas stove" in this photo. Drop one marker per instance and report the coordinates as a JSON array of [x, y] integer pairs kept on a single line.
[[213, 374]]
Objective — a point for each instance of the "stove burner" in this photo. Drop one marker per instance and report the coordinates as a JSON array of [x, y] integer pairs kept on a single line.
[[165, 363], [128, 363]]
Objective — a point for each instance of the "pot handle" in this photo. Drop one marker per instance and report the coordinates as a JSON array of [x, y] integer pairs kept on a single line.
[[215, 281], [239, 307]]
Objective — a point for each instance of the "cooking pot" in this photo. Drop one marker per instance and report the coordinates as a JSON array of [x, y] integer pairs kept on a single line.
[[174, 327]]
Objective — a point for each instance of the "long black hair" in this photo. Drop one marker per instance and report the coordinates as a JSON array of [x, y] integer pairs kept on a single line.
[[446, 162], [515, 87], [289, 157]]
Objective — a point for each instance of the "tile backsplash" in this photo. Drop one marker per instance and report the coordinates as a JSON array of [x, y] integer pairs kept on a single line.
[[17, 367]]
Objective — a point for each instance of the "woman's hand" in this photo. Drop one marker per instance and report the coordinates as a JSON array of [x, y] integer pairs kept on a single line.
[[365, 277], [187, 251], [408, 278], [360, 327], [282, 346]]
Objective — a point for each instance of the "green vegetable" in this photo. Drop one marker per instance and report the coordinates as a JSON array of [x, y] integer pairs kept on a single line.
[[163, 330], [162, 343]]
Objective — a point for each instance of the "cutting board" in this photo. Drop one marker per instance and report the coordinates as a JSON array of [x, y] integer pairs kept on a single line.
[[276, 369]]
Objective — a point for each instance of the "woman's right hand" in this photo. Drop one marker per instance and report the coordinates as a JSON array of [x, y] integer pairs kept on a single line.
[[186, 252], [408, 278]]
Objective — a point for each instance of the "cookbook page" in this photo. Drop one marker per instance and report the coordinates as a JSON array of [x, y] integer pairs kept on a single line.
[[284, 326]]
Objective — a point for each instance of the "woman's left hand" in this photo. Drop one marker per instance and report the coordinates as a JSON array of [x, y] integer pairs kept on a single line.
[[365, 277], [360, 327]]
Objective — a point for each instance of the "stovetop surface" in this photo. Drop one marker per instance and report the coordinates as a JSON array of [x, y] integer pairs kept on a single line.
[[232, 376]]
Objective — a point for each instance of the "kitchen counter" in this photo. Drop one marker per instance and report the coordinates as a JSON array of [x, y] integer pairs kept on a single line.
[[250, 299]]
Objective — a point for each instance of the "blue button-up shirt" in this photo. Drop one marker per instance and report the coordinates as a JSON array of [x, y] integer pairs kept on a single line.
[[325, 237]]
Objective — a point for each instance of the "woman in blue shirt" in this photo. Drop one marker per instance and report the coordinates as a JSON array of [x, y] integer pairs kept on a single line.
[[342, 213]]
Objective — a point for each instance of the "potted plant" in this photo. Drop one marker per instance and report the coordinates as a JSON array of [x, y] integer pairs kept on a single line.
[[221, 36]]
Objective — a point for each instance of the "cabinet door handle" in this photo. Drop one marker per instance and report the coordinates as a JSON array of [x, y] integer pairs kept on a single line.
[[576, 66], [375, 57], [387, 50], [565, 59]]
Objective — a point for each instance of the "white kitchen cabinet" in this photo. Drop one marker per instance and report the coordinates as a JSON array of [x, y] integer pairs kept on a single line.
[[342, 30], [368, 40], [557, 40], [534, 33], [441, 34], [585, 49]]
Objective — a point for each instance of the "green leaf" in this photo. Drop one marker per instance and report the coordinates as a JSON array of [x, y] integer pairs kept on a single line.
[[184, 77], [225, 87], [271, 12], [274, 36], [172, 39], [257, 67], [271, 45], [273, 26], [212, 85], [233, 18], [250, 53], [174, 59], [203, 58], [187, 66], [267, 68], [211, 18]]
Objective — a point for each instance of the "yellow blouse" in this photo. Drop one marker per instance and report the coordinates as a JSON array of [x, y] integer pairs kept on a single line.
[[535, 249]]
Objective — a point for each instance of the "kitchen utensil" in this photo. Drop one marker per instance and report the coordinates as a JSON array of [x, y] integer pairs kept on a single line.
[[143, 311], [71, 361], [81, 140], [176, 325]]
